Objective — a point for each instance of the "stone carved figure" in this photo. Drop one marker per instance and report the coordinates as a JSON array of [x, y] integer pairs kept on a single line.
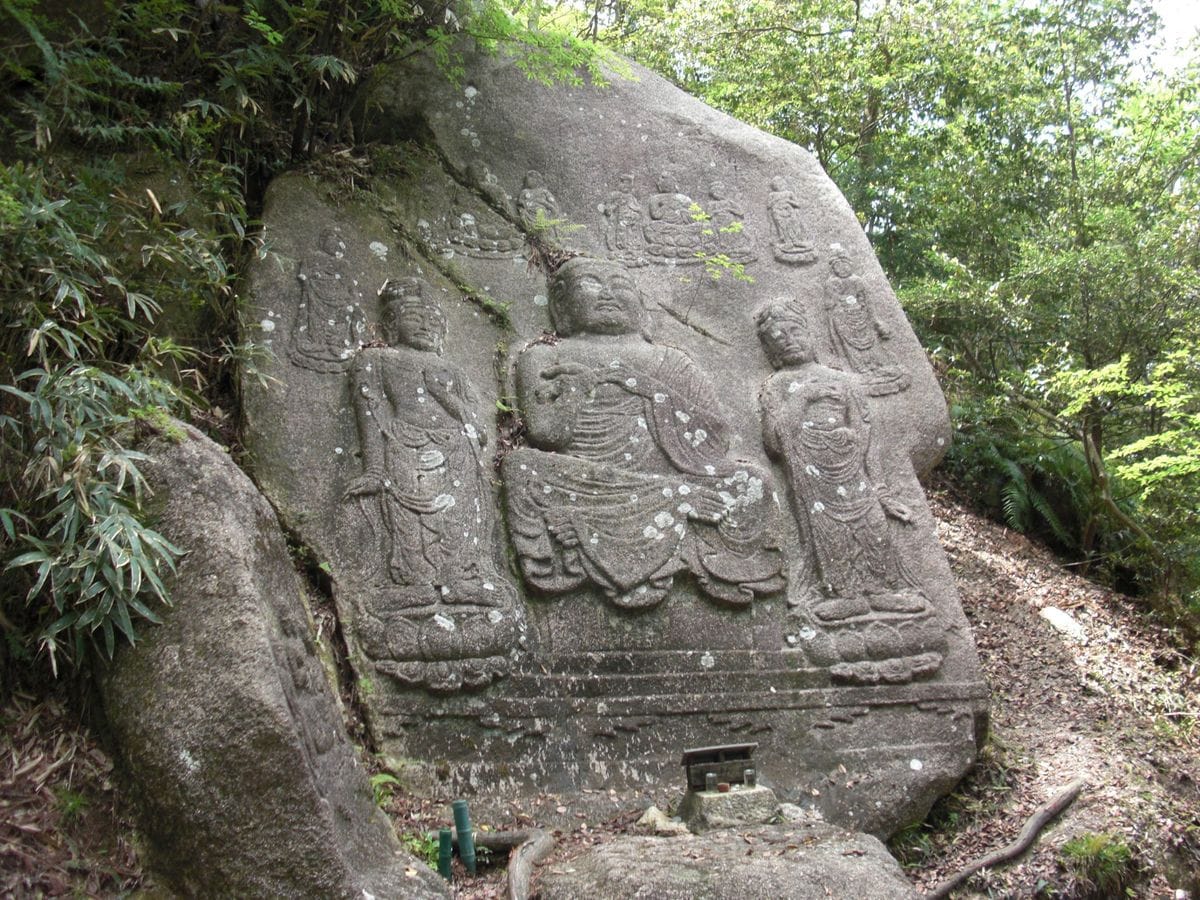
[[330, 324], [673, 233], [682, 231], [623, 223], [877, 622], [628, 482], [794, 243], [443, 616], [536, 206], [857, 333], [487, 235], [726, 222]]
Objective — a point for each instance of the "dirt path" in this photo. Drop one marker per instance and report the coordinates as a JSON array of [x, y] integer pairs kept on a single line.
[[1108, 700]]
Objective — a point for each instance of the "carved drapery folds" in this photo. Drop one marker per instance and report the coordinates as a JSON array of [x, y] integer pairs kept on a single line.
[[855, 329], [330, 323], [629, 482], [868, 618], [440, 613]]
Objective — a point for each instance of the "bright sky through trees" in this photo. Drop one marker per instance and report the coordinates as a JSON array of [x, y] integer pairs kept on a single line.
[[1180, 20]]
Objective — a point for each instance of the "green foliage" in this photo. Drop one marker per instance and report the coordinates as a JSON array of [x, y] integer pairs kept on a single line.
[[1028, 183], [1100, 864], [423, 846], [77, 384], [139, 153], [383, 785], [71, 804]]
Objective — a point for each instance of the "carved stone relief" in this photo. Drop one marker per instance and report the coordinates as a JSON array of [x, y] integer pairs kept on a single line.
[[329, 326], [629, 482], [487, 235], [657, 593], [857, 333], [441, 614], [793, 240], [868, 618], [537, 207], [671, 227], [623, 221]]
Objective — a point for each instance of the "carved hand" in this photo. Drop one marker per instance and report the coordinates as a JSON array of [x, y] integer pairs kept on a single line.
[[896, 509], [560, 378], [707, 506], [370, 482], [564, 533]]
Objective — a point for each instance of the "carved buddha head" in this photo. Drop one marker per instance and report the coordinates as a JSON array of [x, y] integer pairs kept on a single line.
[[783, 331], [592, 296], [411, 317], [839, 261]]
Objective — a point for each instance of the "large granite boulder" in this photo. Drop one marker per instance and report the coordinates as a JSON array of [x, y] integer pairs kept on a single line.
[[801, 861], [224, 723], [607, 424]]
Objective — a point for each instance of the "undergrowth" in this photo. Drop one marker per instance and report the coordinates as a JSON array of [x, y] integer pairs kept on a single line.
[[142, 142]]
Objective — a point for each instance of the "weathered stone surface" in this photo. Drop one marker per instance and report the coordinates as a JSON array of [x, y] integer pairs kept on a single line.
[[706, 810], [712, 536], [798, 862], [223, 721], [655, 821]]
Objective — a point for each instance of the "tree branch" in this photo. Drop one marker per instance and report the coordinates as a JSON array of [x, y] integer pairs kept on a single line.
[[1039, 820]]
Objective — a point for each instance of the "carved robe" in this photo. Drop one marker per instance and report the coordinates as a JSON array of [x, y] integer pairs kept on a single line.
[[629, 451], [816, 423], [330, 324], [422, 441]]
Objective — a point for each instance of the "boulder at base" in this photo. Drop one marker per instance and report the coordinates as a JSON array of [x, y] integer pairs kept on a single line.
[[224, 722], [796, 862]]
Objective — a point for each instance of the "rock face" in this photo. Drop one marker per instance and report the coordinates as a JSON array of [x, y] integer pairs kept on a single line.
[[581, 515], [797, 862], [224, 723]]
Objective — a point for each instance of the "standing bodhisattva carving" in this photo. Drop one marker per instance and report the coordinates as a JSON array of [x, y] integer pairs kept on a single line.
[[443, 615], [857, 333], [628, 482], [623, 223], [330, 324], [816, 423], [794, 243]]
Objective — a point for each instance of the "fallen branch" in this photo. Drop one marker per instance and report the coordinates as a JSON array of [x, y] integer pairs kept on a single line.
[[527, 849], [1039, 820]]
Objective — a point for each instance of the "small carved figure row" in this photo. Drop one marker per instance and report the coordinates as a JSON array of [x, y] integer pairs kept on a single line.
[[672, 227], [493, 236], [668, 226], [330, 325], [627, 480]]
